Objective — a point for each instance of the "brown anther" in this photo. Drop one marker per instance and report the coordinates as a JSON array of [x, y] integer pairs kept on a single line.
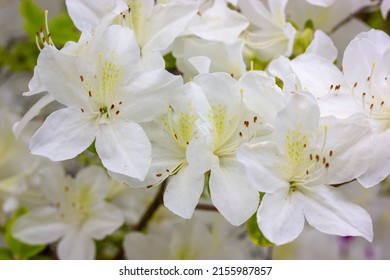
[[311, 157], [240, 133], [383, 102], [148, 187], [337, 87], [331, 87], [176, 136], [117, 112], [330, 153], [368, 78], [327, 165], [199, 13], [307, 172], [364, 94], [120, 102], [90, 93], [82, 110], [246, 123], [324, 160], [167, 170], [317, 158], [355, 85], [304, 145], [112, 106], [82, 78], [158, 174], [254, 119], [371, 106]]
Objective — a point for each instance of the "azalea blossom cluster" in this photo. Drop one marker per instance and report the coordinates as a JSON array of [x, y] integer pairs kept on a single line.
[[256, 119]]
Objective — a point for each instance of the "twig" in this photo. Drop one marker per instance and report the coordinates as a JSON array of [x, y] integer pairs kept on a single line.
[[158, 200]]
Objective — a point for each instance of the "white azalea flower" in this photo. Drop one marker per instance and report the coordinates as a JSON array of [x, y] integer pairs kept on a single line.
[[155, 25], [269, 35], [385, 8], [226, 123], [187, 240], [170, 136], [362, 88], [222, 57], [106, 95], [295, 168], [76, 215]]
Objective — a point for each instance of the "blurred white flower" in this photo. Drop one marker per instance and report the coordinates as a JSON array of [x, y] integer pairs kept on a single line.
[[76, 214], [188, 240]]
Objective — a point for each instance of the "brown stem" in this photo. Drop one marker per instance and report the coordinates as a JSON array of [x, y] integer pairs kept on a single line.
[[158, 200]]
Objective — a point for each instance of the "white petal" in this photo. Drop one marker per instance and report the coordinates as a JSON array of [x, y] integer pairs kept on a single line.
[[32, 113], [124, 148], [40, 226], [351, 145], [219, 23], [60, 74], [76, 246], [262, 95], [116, 44], [149, 94], [259, 161], [385, 8], [230, 191], [322, 3], [327, 74], [166, 23], [65, 134], [326, 210], [280, 217], [183, 192], [95, 177], [301, 113], [200, 155], [357, 70], [91, 11], [35, 85], [379, 167], [323, 46], [105, 220], [201, 63]]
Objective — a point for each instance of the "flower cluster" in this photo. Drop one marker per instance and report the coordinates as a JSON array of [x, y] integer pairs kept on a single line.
[[254, 119]]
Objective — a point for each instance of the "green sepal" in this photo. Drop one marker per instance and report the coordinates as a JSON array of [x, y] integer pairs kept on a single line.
[[20, 250], [170, 61], [255, 233], [92, 148]]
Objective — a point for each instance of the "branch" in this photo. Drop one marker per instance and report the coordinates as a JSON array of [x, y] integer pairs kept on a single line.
[[158, 200]]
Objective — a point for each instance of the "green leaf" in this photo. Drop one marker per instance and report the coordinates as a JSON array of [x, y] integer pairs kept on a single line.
[[255, 233], [33, 15], [5, 254], [20, 250], [22, 56], [63, 30]]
